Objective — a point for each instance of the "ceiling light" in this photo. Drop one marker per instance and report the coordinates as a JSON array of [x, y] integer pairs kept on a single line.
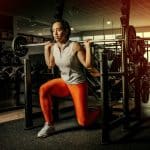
[[72, 29], [108, 22]]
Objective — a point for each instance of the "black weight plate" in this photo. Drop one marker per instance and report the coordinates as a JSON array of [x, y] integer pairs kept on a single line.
[[17, 48]]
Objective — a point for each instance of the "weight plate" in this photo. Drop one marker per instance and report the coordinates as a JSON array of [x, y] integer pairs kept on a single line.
[[17, 48]]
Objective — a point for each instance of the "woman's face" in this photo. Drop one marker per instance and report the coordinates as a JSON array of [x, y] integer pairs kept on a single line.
[[58, 32]]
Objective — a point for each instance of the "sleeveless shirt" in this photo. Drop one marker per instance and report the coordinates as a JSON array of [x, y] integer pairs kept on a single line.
[[72, 71]]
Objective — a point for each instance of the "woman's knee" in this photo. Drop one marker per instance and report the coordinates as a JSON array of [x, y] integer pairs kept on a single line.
[[43, 90]]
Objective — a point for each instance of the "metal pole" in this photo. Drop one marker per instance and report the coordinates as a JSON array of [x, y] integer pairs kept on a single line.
[[28, 94], [105, 138], [125, 45]]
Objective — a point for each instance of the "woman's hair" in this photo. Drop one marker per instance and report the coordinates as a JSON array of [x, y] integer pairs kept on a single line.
[[65, 26]]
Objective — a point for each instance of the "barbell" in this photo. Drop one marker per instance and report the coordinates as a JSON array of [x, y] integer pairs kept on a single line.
[[20, 44]]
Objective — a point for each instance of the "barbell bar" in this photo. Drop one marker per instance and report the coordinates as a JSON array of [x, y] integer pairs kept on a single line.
[[20, 45], [33, 44], [94, 41], [82, 41]]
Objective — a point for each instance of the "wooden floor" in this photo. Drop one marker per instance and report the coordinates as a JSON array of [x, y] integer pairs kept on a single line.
[[11, 115], [14, 114]]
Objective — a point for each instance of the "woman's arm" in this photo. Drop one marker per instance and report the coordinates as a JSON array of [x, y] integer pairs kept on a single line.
[[49, 59], [84, 54]]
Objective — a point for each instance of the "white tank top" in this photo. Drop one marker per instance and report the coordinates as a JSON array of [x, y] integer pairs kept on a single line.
[[72, 71]]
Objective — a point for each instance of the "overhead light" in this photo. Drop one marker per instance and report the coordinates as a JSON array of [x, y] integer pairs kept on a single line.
[[72, 29], [108, 22]]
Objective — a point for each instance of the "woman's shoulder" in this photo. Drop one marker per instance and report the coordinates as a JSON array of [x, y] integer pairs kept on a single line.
[[76, 45], [75, 42]]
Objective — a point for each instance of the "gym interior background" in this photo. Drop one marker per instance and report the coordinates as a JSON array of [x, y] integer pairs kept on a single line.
[[100, 21]]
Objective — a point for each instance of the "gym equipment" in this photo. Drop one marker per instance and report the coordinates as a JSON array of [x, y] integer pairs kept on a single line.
[[20, 45], [131, 47], [17, 43]]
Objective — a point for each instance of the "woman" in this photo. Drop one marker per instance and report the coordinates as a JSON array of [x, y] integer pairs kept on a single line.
[[71, 58]]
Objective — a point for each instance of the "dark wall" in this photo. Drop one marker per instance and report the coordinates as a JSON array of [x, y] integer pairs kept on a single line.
[[6, 23]]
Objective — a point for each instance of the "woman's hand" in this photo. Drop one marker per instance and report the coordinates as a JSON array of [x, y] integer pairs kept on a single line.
[[87, 43], [49, 59], [84, 53], [48, 45]]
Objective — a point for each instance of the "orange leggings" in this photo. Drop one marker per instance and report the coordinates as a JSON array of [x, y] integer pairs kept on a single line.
[[58, 88]]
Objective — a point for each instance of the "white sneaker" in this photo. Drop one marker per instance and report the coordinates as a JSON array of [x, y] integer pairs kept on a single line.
[[46, 131]]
